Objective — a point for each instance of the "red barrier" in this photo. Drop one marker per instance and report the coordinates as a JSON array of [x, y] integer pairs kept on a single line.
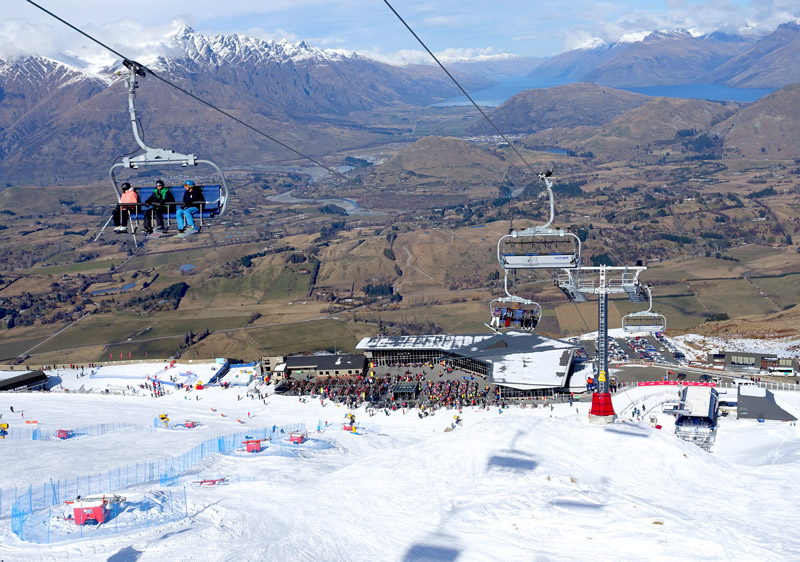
[[675, 383]]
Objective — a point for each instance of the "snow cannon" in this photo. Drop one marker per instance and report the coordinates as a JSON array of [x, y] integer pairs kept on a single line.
[[298, 437], [253, 445], [93, 508]]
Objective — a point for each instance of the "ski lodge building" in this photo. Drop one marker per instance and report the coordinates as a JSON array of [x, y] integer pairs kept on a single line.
[[14, 382], [518, 360], [321, 365]]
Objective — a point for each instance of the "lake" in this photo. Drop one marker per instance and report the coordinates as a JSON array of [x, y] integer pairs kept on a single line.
[[500, 92]]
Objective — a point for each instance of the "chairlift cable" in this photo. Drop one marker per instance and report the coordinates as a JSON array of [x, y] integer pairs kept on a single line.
[[191, 95], [578, 310], [463, 91]]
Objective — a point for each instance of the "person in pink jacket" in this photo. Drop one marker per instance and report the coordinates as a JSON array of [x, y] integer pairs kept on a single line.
[[122, 213]]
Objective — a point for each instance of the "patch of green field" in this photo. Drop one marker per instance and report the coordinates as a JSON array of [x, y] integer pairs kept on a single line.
[[14, 348], [670, 289], [694, 268], [455, 318], [162, 348], [783, 290], [158, 336], [265, 282], [447, 128], [734, 297], [752, 251], [316, 335], [97, 329], [681, 312], [193, 256], [73, 268], [167, 325], [662, 273]]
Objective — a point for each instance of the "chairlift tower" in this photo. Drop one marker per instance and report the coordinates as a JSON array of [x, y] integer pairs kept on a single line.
[[602, 281]]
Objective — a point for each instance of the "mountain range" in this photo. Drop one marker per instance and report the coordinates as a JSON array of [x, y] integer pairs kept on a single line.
[[62, 122], [678, 57], [57, 120]]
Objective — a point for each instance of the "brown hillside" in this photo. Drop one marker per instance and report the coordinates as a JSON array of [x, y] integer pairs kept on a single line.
[[567, 106], [657, 121], [763, 326], [431, 164], [439, 156], [767, 128]]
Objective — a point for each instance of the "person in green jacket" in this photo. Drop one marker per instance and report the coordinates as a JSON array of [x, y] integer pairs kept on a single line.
[[157, 204]]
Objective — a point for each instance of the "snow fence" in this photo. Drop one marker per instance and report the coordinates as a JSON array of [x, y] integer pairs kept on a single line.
[[137, 512], [57, 491]]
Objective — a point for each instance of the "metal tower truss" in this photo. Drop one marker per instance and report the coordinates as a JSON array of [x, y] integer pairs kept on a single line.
[[577, 283], [602, 281]]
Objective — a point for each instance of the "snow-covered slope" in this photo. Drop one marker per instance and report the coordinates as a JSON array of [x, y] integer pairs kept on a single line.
[[523, 484]]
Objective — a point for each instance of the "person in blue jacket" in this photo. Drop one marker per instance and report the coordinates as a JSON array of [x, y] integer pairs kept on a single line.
[[192, 199]]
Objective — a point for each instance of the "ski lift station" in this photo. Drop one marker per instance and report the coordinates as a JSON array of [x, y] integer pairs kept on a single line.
[[518, 360], [695, 415]]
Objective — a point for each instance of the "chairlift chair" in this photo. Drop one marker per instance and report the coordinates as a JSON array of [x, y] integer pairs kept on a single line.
[[645, 321], [216, 195], [513, 312], [540, 247]]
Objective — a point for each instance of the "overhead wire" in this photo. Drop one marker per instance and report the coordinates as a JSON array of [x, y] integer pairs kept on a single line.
[[460, 87], [478, 107], [190, 94], [268, 136]]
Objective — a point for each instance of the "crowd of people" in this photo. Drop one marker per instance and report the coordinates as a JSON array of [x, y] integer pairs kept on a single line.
[[448, 388]]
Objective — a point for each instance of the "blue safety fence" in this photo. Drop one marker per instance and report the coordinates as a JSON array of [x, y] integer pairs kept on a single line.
[[55, 492], [223, 444], [42, 434], [131, 513]]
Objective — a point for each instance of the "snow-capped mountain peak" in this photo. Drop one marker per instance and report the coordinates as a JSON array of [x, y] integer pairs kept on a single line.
[[36, 70], [238, 49]]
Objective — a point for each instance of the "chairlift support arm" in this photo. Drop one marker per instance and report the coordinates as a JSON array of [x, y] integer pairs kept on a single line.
[[156, 156]]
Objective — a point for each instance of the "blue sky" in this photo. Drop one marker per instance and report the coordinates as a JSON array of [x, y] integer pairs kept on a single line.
[[468, 27]]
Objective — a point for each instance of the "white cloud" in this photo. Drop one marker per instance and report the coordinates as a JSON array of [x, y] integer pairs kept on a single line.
[[407, 56], [20, 38], [443, 20], [634, 37], [520, 26]]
